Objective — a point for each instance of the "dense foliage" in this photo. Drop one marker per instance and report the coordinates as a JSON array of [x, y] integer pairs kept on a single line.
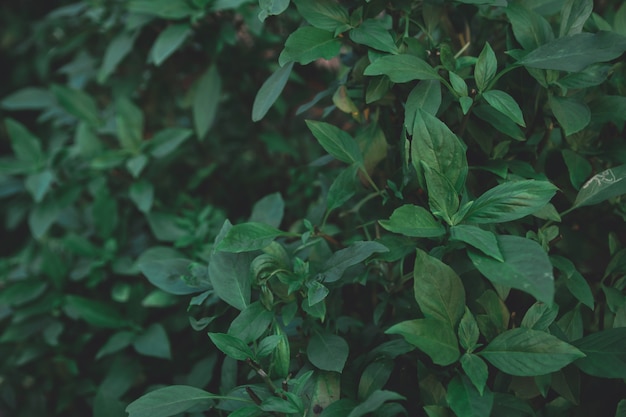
[[372, 208]]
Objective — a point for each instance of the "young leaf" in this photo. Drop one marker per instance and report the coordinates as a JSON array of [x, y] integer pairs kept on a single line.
[[341, 260], [168, 42], [425, 96], [327, 352], [249, 236], [468, 331], [506, 105], [526, 352], [438, 289], [336, 142], [602, 186], [433, 337], [467, 401], [26, 146], [510, 201], [540, 316], [29, 98], [374, 377], [500, 121], [251, 323], [476, 369], [579, 167], [575, 282], [402, 68], [526, 267], [269, 91], [573, 115], [486, 67], [343, 188], [605, 353], [413, 221], [307, 44], [232, 346], [576, 52], [574, 14], [167, 141], [374, 402], [478, 238], [172, 275], [206, 98], [142, 194], [170, 401], [324, 14], [94, 312], [442, 197], [374, 33]]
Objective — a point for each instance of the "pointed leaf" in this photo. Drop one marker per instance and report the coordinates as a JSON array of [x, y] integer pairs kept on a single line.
[[433, 337], [232, 346], [270, 91], [478, 238], [117, 50], [77, 103], [343, 188], [168, 42], [486, 67], [153, 342], [336, 142], [341, 260], [602, 186], [248, 236], [307, 44], [402, 68], [530, 28], [373, 33], [573, 115], [374, 401], [442, 196], [505, 104], [206, 98], [499, 121], [29, 98], [526, 352], [170, 401], [467, 401], [324, 14], [606, 353], [130, 122], [574, 14], [413, 221]]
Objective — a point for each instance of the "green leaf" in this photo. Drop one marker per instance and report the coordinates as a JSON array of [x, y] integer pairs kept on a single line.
[[167, 141], [39, 184], [94, 312], [168, 41], [327, 352], [77, 103], [530, 28], [505, 104], [435, 144], [374, 401], [438, 289], [540, 316], [602, 186], [170, 401], [270, 91], [526, 352], [230, 273], [26, 146], [343, 188], [413, 221], [574, 281], [591, 76], [478, 238], [510, 201], [206, 100], [442, 196], [466, 401], [129, 121], [231, 346], [621, 406], [425, 96], [43, 216], [21, 292], [29, 98], [468, 331], [248, 237], [142, 194], [341, 260], [374, 33], [374, 377], [272, 8], [269, 210], [433, 337], [619, 24], [153, 342], [606, 353], [476, 369], [402, 68], [578, 167], [486, 67], [324, 14], [251, 322], [173, 276], [336, 142], [316, 292], [166, 9], [574, 14], [308, 44], [499, 121], [573, 115], [165, 226], [526, 267], [117, 50], [576, 52]]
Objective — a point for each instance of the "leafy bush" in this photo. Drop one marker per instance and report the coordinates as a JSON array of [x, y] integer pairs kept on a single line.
[[453, 252]]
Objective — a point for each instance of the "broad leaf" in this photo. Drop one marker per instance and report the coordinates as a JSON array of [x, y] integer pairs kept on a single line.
[[373, 33], [466, 401], [486, 67], [442, 196], [29, 98], [232, 346], [324, 14], [166, 141], [170, 401], [248, 237], [374, 377], [526, 267], [605, 353], [206, 99], [153, 342], [425, 96], [576, 52], [413, 221], [574, 281], [573, 115], [510, 201], [478, 238], [129, 122], [505, 104], [468, 331], [270, 91], [168, 42], [343, 188], [438, 289], [433, 337], [341, 260], [26, 146], [402, 68], [336, 142], [307, 44], [578, 166], [602, 186], [166, 9], [272, 8], [476, 370], [540, 316], [251, 323], [269, 210], [499, 121], [327, 352], [526, 352]]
